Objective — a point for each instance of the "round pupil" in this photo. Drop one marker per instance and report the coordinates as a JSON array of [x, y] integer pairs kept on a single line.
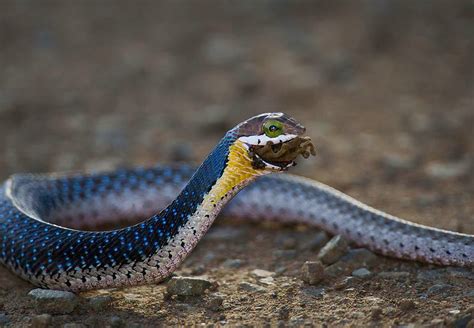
[[273, 128]]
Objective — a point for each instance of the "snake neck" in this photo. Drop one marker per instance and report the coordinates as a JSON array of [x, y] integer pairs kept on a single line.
[[223, 174]]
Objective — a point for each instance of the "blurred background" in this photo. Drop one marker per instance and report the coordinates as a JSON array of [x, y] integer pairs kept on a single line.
[[385, 88]]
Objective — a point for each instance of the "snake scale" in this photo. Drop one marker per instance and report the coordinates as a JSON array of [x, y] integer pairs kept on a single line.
[[41, 215]]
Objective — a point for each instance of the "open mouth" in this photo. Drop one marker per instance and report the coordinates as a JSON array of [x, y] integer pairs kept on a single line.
[[281, 155]]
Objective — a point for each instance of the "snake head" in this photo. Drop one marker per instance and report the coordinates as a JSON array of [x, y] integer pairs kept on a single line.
[[274, 141]]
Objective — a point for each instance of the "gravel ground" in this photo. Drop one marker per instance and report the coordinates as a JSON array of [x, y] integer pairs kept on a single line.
[[385, 88]]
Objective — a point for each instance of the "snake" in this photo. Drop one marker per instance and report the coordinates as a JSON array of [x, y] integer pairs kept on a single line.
[[49, 223]]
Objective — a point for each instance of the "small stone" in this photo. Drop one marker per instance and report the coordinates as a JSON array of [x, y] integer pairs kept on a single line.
[[469, 294], [41, 321], [437, 323], [267, 281], [215, 301], [262, 273], [312, 272], [251, 287], [315, 292], [448, 170], [181, 152], [54, 301], [393, 275], [361, 273], [359, 257], [355, 258], [431, 275], [333, 250], [220, 50], [286, 242], [398, 162], [280, 270], [460, 273], [100, 302], [463, 321], [438, 289], [345, 283], [224, 233], [188, 286], [284, 254], [4, 319], [232, 263], [283, 313], [318, 241], [198, 270], [74, 325], [116, 322], [406, 305], [376, 313]]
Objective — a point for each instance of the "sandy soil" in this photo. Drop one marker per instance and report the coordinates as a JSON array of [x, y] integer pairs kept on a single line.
[[386, 90]]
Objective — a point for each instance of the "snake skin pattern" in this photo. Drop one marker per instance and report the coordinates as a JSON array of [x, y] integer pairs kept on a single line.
[[36, 209]]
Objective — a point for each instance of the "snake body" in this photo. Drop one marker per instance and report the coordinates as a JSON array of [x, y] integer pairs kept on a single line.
[[36, 209]]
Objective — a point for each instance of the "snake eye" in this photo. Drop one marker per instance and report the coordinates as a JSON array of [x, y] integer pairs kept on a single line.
[[272, 128]]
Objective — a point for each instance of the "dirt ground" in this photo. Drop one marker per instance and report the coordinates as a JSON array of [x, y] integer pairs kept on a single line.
[[385, 89]]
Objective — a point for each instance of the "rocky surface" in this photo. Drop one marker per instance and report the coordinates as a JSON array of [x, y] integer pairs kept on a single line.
[[385, 89]]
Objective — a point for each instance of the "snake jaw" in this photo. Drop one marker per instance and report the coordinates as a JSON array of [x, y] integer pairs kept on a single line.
[[280, 155]]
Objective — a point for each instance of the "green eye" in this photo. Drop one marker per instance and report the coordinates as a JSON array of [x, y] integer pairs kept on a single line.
[[273, 128]]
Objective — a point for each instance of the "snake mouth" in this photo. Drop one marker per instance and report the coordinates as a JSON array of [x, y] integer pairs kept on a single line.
[[281, 155]]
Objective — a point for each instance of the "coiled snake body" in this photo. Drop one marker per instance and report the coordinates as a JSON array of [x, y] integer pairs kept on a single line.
[[35, 210]]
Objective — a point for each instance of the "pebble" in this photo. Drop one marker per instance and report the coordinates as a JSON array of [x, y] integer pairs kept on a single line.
[[283, 313], [41, 321], [188, 286], [355, 258], [286, 242], [333, 250], [312, 272], [360, 256], [345, 283], [4, 319], [181, 152], [438, 289], [394, 274], [448, 170], [74, 325], [232, 263], [224, 233], [469, 294], [430, 275], [460, 273], [219, 50], [398, 162], [262, 273], [54, 301], [361, 273], [198, 270], [251, 287], [318, 241], [315, 292], [376, 312], [267, 281], [116, 322], [215, 301], [100, 302], [284, 254], [406, 305]]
